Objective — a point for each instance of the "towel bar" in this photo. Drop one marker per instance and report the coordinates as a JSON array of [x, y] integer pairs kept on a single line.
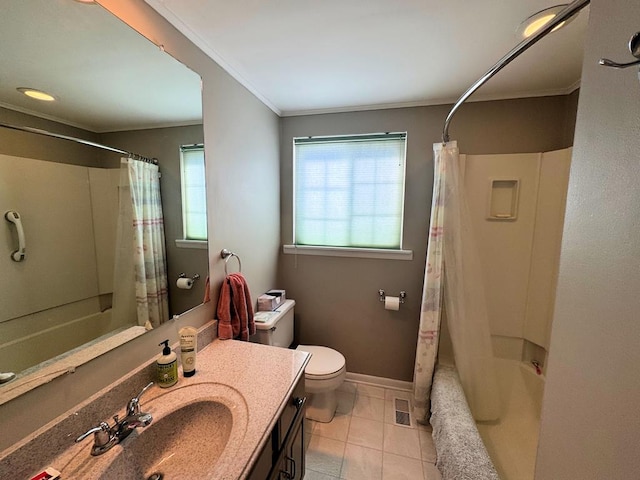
[[227, 254]]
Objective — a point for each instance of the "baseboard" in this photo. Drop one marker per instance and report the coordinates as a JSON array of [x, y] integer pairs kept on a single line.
[[379, 381]]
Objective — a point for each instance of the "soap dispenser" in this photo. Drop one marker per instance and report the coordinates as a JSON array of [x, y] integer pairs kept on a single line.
[[167, 366]]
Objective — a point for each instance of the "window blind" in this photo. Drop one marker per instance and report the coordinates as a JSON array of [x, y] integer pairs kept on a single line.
[[349, 191], [194, 196]]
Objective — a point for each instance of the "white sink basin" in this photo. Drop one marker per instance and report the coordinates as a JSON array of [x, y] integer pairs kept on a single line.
[[195, 432]]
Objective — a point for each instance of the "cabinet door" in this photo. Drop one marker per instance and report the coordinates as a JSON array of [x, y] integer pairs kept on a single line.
[[292, 465], [296, 453], [287, 441], [291, 460]]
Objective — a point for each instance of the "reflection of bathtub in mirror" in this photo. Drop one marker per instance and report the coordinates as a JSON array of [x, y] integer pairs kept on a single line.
[[30, 350], [66, 361], [71, 214]]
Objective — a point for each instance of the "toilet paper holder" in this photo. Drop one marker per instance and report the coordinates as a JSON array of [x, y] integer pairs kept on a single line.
[[382, 295], [194, 278]]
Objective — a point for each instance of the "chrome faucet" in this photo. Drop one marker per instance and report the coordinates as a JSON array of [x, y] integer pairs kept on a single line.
[[105, 436]]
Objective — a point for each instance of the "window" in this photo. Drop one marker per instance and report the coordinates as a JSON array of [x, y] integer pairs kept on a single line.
[[194, 196], [349, 191]]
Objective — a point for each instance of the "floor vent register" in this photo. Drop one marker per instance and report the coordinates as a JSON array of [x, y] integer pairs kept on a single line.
[[402, 417]]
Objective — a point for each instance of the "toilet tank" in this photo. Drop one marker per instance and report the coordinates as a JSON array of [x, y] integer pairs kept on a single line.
[[277, 327]]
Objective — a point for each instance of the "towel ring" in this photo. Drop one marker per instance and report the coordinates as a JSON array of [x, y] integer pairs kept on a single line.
[[227, 254]]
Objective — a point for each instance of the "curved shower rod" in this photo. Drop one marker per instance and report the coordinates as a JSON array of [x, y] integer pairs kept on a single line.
[[82, 141], [563, 15]]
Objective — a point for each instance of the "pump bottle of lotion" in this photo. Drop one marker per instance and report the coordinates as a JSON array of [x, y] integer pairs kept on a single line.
[[188, 347], [167, 366]]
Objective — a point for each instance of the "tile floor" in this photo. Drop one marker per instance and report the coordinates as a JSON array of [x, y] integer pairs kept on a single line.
[[362, 442]]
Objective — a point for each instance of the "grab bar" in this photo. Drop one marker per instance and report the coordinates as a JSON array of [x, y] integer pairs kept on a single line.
[[14, 217]]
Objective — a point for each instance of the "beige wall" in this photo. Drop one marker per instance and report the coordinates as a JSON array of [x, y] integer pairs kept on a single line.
[[164, 144], [103, 183], [22, 144], [505, 247], [241, 138], [547, 240], [519, 257], [54, 202], [590, 424], [337, 298], [522, 125], [570, 120]]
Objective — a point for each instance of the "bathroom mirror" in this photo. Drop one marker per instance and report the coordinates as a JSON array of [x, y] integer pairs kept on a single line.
[[111, 86]]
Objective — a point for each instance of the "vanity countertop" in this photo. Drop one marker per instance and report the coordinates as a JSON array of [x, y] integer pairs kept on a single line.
[[264, 376]]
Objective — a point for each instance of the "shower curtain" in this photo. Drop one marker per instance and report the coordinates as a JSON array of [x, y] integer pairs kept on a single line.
[[124, 290], [453, 273], [431, 307], [142, 211]]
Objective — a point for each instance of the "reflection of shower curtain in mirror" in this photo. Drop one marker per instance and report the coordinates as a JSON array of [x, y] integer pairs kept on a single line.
[[140, 259], [124, 290]]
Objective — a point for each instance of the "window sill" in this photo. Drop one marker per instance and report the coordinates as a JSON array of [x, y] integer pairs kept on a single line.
[[348, 252], [200, 244]]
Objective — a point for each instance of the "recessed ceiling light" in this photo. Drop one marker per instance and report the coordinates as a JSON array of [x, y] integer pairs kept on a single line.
[[538, 20], [37, 94]]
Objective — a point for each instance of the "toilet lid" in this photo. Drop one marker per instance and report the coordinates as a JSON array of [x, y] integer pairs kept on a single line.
[[324, 360]]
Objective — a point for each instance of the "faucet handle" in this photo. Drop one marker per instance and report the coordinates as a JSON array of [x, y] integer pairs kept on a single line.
[[102, 434], [133, 407]]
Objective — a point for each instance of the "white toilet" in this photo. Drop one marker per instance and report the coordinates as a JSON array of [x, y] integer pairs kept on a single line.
[[325, 371]]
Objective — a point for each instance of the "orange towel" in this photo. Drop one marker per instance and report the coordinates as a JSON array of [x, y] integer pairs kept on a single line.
[[235, 309]]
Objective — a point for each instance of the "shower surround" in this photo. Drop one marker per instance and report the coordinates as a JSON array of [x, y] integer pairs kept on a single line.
[[518, 230]]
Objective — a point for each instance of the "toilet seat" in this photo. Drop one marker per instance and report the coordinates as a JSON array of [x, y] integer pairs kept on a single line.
[[325, 362]]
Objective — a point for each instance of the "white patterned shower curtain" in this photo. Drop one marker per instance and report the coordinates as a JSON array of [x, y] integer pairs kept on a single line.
[[124, 285], [451, 244], [149, 258]]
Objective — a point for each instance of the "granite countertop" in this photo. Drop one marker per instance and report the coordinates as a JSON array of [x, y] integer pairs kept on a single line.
[[257, 378]]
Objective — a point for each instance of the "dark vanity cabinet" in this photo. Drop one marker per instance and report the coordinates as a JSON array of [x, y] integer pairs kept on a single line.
[[283, 456]]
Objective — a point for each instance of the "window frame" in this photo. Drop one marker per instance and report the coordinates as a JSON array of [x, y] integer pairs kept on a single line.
[[398, 253], [186, 242]]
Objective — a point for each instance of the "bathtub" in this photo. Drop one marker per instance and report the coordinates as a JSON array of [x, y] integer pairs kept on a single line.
[[512, 441], [486, 450], [30, 350], [67, 361]]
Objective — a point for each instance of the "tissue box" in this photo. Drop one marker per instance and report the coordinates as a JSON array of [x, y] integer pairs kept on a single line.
[[271, 300], [267, 303], [278, 293]]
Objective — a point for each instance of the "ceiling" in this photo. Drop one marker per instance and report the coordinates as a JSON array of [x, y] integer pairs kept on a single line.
[[105, 76], [296, 56], [301, 57]]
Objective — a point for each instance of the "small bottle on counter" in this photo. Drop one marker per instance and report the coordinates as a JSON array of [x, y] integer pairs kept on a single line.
[[167, 366], [188, 347]]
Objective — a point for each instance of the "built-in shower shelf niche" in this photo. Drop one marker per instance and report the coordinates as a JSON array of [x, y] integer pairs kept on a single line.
[[503, 199]]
